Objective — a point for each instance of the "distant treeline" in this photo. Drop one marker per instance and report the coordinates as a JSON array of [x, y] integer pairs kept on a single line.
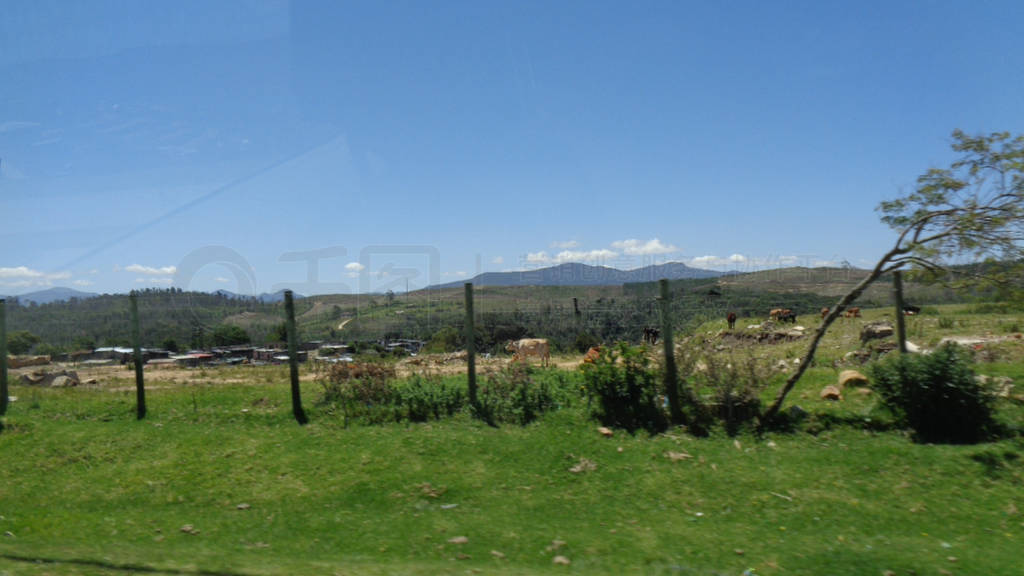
[[570, 317]]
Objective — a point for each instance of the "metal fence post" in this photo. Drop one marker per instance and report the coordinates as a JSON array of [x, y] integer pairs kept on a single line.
[[470, 337], [140, 387], [3, 357], [671, 372], [293, 357]]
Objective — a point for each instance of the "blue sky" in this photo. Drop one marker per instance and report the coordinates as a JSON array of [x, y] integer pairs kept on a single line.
[[343, 147]]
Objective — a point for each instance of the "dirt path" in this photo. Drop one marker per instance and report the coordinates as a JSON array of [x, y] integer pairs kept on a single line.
[[343, 322]]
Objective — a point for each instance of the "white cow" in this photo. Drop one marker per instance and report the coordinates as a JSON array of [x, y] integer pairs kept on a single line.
[[522, 349]]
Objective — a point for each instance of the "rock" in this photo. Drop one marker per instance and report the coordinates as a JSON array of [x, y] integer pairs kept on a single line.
[[91, 382], [851, 378], [243, 506], [913, 348], [796, 412], [40, 378], [63, 382], [876, 330], [831, 393], [497, 554], [864, 391], [1003, 386], [561, 560], [189, 529], [458, 540], [606, 432], [677, 456], [584, 465]]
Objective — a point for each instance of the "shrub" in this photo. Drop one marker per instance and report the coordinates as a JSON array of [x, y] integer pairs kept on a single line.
[[936, 395], [624, 391], [730, 388], [425, 397], [513, 395], [361, 390]]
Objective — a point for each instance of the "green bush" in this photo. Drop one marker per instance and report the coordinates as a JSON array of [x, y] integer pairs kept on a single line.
[[730, 387], [513, 395], [623, 390], [424, 397], [936, 396], [363, 390]]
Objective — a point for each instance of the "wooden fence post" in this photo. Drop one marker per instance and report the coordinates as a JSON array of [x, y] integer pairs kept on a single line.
[[140, 387], [3, 357], [901, 327], [293, 357], [671, 372], [470, 337]]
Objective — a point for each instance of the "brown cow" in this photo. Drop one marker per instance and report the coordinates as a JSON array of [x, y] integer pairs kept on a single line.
[[651, 335], [731, 319], [526, 347], [775, 313], [592, 355], [853, 312], [824, 312]]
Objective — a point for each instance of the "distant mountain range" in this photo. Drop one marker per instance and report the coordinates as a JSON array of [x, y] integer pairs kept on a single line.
[[60, 294], [52, 295], [574, 274]]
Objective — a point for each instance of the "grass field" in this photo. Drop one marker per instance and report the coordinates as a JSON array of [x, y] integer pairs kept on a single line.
[[219, 479]]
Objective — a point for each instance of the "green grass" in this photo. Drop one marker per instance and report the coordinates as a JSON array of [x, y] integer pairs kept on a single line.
[[87, 489]]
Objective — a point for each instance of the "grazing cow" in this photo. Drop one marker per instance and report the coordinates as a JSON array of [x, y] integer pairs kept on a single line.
[[731, 319], [852, 312], [909, 310], [592, 355], [775, 313], [526, 347], [651, 335], [787, 316], [824, 312]]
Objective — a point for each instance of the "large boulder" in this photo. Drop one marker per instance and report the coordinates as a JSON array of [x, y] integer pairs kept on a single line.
[[852, 378], [831, 393], [58, 379], [876, 330]]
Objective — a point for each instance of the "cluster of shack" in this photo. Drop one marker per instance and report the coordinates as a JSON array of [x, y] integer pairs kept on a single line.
[[318, 351]]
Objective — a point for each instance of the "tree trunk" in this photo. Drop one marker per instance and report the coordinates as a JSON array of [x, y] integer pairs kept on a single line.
[[834, 313]]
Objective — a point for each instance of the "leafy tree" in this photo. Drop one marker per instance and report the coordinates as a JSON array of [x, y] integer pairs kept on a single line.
[[229, 335], [971, 211], [170, 344], [21, 342]]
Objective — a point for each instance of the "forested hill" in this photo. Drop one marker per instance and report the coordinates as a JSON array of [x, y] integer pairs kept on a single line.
[[570, 316], [105, 320], [575, 274]]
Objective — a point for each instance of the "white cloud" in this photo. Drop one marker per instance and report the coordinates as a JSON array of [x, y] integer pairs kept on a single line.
[[151, 271], [538, 257], [740, 261], [566, 245], [566, 256], [24, 277], [354, 268], [83, 282], [153, 280], [634, 247], [584, 256], [497, 260], [221, 280], [20, 272]]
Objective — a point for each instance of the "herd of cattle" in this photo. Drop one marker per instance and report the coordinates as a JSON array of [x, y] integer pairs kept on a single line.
[[538, 347]]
